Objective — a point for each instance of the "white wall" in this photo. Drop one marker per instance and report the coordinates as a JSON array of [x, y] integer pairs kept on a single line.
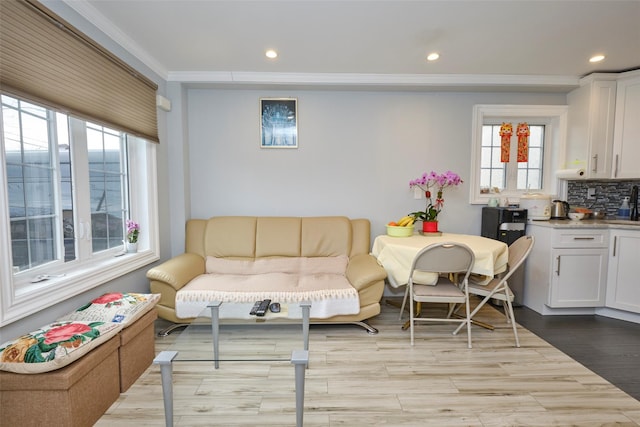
[[357, 152]]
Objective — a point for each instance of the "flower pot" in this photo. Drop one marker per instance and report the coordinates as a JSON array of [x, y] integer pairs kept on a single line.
[[131, 248], [430, 226]]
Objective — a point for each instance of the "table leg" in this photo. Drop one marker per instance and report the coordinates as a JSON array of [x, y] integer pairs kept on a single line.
[[215, 330], [165, 359], [306, 310], [406, 324], [475, 322], [300, 360], [393, 303]]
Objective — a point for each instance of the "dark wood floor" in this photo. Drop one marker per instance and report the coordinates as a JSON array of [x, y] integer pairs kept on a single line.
[[608, 347]]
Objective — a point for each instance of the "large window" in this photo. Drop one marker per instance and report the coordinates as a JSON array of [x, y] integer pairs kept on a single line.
[[40, 158], [66, 195], [490, 177]]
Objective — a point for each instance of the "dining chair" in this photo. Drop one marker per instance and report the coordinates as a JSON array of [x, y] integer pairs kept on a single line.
[[452, 262], [498, 287]]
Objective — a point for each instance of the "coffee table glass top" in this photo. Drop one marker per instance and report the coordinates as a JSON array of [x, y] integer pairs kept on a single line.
[[243, 337]]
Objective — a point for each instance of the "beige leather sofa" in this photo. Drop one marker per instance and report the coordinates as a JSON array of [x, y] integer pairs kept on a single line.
[[255, 239]]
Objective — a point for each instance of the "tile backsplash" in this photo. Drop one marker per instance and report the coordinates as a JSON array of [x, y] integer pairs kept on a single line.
[[609, 194]]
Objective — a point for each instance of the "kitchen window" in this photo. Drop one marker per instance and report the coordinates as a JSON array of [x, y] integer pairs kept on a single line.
[[490, 177], [512, 175], [68, 189]]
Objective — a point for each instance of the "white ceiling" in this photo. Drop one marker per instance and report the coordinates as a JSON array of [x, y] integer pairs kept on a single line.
[[384, 42]]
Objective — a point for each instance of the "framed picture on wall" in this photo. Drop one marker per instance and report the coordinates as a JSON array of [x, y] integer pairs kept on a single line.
[[279, 122]]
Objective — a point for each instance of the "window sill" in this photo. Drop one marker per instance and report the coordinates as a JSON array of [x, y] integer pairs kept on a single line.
[[512, 198], [33, 297]]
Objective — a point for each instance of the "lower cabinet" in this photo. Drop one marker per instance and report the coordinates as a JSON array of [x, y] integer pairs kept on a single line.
[[623, 282], [567, 268], [578, 277]]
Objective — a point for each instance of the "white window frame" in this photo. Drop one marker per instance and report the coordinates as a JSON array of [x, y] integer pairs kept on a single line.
[[555, 119], [20, 297]]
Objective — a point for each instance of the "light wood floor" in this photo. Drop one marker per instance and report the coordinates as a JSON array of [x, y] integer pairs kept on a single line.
[[355, 379]]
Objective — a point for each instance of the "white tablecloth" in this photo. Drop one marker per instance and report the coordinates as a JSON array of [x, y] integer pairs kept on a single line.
[[396, 254]]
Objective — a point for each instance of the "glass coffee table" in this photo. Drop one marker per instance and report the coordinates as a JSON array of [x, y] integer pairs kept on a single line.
[[200, 342]]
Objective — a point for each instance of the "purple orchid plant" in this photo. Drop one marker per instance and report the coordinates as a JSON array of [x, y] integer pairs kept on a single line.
[[440, 182], [133, 229]]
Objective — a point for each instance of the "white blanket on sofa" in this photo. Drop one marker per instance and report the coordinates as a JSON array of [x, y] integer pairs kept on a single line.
[[320, 280]]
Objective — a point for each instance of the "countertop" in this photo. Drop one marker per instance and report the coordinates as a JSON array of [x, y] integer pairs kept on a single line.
[[588, 223]]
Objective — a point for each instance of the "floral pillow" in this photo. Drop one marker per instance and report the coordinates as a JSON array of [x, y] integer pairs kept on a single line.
[[117, 307], [54, 346]]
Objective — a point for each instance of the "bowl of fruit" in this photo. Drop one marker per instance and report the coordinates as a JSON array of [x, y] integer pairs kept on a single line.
[[401, 228]]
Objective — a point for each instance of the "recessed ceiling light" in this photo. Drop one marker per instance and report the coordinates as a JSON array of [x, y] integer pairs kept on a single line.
[[596, 58], [271, 54], [433, 56]]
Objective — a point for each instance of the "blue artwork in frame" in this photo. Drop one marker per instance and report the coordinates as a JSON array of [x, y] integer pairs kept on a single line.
[[278, 123]]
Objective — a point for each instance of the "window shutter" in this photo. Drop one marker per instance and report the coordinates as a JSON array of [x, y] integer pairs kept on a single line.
[[46, 60]]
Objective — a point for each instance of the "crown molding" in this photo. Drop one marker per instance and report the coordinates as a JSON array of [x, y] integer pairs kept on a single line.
[[355, 80]]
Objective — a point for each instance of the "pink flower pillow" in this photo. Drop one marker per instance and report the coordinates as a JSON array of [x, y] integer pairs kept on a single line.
[[117, 307], [54, 346]]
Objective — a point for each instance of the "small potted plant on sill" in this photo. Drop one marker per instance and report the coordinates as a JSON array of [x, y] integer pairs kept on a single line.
[[133, 230], [429, 216]]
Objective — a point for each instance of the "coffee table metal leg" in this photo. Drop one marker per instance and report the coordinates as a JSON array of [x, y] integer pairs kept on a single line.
[[165, 359], [215, 330], [300, 360], [306, 309]]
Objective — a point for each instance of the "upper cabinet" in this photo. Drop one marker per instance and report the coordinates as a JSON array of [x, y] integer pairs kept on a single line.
[[626, 145], [590, 121]]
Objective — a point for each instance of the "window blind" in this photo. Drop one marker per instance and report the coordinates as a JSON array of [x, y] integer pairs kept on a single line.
[[46, 60]]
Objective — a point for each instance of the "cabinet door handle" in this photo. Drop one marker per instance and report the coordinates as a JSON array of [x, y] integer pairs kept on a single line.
[[583, 238], [615, 172], [615, 242], [595, 164], [558, 265]]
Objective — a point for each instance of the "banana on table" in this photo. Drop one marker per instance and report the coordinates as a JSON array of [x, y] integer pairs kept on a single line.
[[406, 221]]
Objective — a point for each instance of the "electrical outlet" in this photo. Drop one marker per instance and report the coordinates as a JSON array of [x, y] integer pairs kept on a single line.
[[417, 193], [591, 193]]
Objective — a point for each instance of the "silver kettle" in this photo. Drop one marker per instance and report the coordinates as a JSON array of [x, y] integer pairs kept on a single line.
[[559, 209]]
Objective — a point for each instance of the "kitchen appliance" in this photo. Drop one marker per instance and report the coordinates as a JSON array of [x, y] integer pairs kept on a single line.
[[506, 225], [559, 209], [538, 206]]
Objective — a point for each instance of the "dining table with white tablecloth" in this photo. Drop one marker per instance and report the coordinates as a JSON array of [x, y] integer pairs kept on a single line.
[[396, 255]]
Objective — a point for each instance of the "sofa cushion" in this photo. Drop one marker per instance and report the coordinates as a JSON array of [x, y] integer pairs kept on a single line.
[[54, 346], [325, 236], [290, 265], [115, 307], [229, 236], [321, 280], [330, 294], [278, 236]]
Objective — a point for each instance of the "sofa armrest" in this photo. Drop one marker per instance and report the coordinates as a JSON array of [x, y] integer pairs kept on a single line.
[[363, 270], [178, 271]]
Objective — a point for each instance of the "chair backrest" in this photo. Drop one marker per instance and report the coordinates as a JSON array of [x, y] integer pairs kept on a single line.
[[446, 257], [518, 252]]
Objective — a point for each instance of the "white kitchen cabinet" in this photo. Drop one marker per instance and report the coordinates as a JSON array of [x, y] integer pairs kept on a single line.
[[590, 121], [626, 140], [578, 277], [567, 268], [578, 267], [623, 283]]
